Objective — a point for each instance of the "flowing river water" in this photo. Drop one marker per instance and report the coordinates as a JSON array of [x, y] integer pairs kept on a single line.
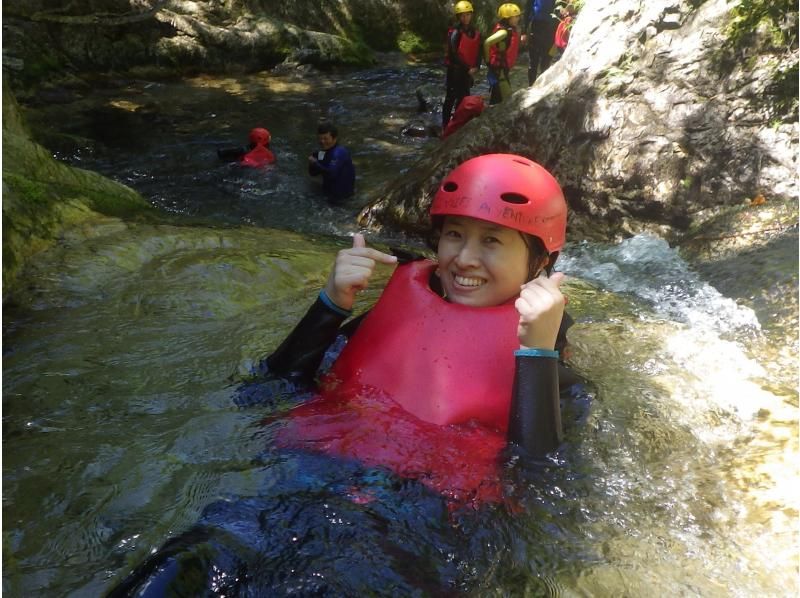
[[120, 419]]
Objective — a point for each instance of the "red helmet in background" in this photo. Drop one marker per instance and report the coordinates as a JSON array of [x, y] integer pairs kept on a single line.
[[259, 136], [508, 190]]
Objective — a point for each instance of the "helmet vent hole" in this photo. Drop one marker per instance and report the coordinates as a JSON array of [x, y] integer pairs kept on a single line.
[[450, 186], [514, 198]]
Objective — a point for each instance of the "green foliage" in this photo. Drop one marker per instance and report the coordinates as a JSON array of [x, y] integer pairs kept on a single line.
[[410, 42], [784, 91], [780, 16], [571, 6], [760, 27]]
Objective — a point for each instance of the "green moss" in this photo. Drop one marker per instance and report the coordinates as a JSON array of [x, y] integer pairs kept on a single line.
[[41, 66], [43, 197]]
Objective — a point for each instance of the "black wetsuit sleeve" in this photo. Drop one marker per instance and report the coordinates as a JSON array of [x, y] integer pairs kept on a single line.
[[535, 420], [300, 354], [535, 416], [452, 48]]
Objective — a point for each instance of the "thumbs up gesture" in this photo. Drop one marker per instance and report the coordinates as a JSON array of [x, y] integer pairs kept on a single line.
[[352, 270], [541, 306]]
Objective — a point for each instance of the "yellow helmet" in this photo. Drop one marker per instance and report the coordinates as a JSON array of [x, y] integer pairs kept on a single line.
[[463, 6], [508, 10]]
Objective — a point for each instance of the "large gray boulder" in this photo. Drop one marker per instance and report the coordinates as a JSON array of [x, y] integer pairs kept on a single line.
[[653, 119]]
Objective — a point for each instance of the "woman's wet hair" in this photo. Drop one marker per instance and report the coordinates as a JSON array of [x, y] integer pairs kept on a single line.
[[538, 257]]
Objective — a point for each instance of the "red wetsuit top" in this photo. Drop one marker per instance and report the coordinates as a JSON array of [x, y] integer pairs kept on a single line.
[[258, 156], [421, 360]]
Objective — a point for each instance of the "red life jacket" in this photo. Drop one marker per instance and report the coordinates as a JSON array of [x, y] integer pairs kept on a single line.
[[443, 362], [415, 354], [258, 156], [504, 59], [468, 47]]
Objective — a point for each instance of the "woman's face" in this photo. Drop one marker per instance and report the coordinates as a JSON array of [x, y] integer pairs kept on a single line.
[[480, 263]]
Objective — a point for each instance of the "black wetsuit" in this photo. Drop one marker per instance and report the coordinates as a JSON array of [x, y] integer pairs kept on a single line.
[[541, 35], [458, 81]]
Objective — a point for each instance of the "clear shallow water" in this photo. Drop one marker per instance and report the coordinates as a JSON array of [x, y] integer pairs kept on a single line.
[[120, 426]]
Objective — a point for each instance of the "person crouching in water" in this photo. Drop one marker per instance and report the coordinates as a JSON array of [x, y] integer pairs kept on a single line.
[[259, 154], [463, 59], [256, 154], [500, 52], [333, 162], [490, 305]]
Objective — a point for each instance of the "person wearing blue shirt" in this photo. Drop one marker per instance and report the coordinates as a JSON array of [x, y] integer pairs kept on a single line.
[[334, 163], [542, 25]]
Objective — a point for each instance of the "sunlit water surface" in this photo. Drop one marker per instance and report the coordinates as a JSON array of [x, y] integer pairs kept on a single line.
[[119, 383]]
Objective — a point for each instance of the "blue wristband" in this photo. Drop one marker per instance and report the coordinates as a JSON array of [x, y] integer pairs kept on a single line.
[[339, 310], [536, 353]]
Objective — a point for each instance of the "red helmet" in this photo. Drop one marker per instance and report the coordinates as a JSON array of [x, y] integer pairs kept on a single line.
[[508, 190], [259, 136]]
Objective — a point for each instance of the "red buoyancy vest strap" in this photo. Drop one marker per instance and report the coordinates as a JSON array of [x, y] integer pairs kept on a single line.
[[504, 58], [443, 362]]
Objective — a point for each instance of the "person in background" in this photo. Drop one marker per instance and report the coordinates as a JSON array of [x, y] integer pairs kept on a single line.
[[333, 162], [541, 22], [500, 52], [562, 31], [255, 155], [463, 59], [259, 154]]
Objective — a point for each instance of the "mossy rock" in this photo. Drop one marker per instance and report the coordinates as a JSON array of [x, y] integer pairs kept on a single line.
[[43, 197]]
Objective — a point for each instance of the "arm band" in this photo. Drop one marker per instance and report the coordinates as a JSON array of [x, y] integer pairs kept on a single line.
[[536, 353], [330, 304]]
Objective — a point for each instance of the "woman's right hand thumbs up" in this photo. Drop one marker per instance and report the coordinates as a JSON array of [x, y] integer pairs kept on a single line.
[[352, 270]]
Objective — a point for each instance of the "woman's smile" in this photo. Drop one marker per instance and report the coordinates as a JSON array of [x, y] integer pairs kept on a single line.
[[465, 281]]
